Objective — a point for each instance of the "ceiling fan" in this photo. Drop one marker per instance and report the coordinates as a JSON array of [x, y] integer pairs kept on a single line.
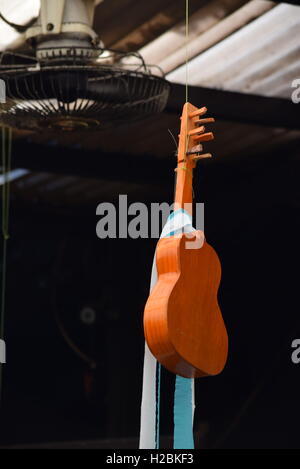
[[70, 80]]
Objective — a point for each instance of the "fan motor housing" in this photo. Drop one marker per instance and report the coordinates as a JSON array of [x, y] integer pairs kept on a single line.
[[64, 26]]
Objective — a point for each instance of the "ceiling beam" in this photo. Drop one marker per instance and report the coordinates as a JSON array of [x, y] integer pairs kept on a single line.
[[237, 107], [147, 20], [140, 169], [93, 164], [168, 15]]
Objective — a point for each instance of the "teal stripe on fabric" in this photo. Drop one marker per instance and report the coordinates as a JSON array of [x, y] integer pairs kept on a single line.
[[183, 414], [183, 398], [180, 210], [173, 233]]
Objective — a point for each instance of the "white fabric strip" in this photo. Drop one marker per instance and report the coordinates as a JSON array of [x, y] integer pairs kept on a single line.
[[148, 408], [178, 222]]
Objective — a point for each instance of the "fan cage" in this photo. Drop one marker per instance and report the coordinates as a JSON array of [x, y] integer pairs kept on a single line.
[[73, 92]]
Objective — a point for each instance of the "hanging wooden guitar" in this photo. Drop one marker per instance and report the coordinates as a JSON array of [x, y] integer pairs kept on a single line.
[[183, 324]]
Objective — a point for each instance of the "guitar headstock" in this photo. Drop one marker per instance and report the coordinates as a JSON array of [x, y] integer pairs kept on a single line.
[[192, 133]]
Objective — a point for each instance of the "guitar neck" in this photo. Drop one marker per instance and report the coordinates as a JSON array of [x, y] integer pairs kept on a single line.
[[185, 166], [184, 187]]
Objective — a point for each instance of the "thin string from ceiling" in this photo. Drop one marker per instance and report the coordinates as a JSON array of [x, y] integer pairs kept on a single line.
[[186, 66], [158, 370], [186, 50]]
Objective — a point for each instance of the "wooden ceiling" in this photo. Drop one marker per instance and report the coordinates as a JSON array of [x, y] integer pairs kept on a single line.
[[130, 24]]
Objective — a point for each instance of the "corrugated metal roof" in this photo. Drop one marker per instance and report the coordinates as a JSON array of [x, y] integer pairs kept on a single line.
[[260, 58]]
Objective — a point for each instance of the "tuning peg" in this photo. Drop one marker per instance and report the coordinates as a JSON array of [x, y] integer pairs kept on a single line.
[[201, 156], [204, 121], [204, 137], [198, 112], [197, 131]]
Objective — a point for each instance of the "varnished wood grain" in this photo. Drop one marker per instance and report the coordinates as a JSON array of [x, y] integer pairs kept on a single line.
[[183, 323]]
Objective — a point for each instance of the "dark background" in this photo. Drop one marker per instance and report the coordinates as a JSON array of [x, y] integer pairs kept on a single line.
[[57, 265]]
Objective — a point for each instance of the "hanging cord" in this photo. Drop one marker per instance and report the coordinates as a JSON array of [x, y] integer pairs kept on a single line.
[[187, 58], [83, 356], [183, 411], [6, 166], [186, 68], [20, 28], [158, 371], [59, 322], [186, 50]]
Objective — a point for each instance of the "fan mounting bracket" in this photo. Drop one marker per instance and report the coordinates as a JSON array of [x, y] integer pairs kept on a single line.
[[64, 16]]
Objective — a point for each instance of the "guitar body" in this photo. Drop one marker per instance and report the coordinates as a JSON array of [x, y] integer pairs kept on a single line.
[[183, 324]]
